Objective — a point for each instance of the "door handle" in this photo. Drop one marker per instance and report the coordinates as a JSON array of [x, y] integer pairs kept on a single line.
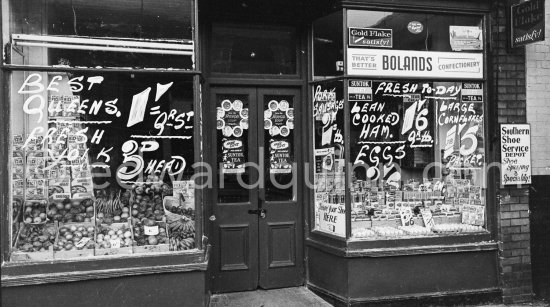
[[212, 218], [259, 212]]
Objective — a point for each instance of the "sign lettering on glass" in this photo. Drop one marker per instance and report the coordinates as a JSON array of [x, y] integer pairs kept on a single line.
[[75, 130]]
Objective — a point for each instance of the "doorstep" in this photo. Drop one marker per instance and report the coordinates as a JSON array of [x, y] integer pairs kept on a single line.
[[295, 297]]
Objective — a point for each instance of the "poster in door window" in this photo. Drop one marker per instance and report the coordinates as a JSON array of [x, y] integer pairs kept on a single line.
[[280, 160], [279, 118], [232, 120], [279, 123], [233, 156]]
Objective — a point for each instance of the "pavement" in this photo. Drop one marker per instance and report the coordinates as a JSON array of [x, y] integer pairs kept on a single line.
[[303, 297], [536, 303]]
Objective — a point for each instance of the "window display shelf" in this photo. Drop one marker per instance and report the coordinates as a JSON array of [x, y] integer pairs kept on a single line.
[[32, 273]]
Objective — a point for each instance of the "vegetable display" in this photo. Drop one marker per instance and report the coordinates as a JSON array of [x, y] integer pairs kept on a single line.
[[112, 222]]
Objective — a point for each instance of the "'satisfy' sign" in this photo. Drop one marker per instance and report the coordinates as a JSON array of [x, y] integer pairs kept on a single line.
[[527, 23]]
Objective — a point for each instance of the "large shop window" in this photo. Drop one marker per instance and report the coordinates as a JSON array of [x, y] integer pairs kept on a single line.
[[101, 159], [101, 164], [401, 157]]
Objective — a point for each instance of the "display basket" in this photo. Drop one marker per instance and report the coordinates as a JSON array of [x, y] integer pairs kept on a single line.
[[83, 248], [41, 203], [18, 255], [175, 202], [115, 246], [108, 216], [147, 248], [87, 214]]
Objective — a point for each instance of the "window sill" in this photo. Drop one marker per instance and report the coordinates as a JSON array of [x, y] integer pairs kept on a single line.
[[33, 273], [408, 247]]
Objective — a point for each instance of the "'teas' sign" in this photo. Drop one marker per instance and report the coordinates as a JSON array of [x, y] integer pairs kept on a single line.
[[527, 23]]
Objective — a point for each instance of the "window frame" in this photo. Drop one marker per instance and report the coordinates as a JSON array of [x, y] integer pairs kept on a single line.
[[218, 75], [39, 272], [349, 247]]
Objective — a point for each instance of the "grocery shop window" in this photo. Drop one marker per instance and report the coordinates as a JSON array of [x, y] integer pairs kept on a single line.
[[328, 158], [248, 49], [101, 164], [134, 33], [417, 153]]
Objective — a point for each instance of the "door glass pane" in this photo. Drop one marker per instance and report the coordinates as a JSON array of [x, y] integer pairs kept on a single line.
[[278, 146], [253, 50], [232, 139]]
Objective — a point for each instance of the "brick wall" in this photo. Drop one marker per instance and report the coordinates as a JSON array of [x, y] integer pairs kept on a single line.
[[538, 114], [538, 100], [509, 93]]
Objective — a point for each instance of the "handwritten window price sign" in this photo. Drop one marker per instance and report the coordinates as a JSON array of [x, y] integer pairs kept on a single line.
[[515, 147]]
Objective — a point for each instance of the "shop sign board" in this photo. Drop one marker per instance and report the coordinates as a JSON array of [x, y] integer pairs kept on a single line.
[[425, 64], [515, 147], [528, 23], [370, 37]]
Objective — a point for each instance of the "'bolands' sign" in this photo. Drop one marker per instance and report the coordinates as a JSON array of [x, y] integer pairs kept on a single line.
[[527, 22], [401, 63]]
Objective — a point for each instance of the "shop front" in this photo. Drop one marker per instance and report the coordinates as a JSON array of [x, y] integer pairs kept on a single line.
[[162, 152], [101, 114], [401, 208]]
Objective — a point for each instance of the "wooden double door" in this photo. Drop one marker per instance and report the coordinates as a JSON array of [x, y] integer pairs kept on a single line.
[[256, 222]]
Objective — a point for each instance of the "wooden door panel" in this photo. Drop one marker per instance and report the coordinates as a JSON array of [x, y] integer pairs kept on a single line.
[[234, 248], [281, 244]]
